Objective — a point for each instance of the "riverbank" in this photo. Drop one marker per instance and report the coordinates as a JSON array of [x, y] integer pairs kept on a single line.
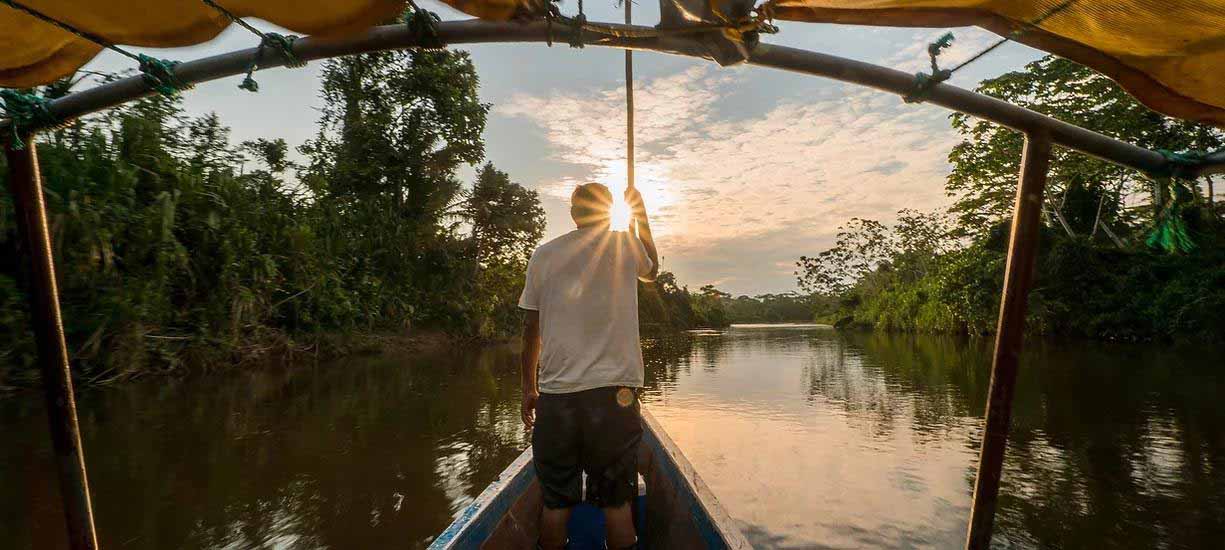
[[183, 357], [1082, 291]]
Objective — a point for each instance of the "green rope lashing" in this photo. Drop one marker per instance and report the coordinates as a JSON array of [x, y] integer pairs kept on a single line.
[[25, 112], [1180, 164], [159, 75], [282, 44], [423, 25], [923, 83], [1170, 229]]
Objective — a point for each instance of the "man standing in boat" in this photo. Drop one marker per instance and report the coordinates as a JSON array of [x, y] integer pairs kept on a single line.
[[581, 329]]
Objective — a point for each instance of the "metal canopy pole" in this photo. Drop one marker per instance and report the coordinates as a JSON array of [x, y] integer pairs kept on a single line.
[[25, 183], [1018, 279], [960, 99], [473, 31]]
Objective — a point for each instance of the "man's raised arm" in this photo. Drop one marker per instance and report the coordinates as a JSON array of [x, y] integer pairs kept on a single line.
[[639, 210]]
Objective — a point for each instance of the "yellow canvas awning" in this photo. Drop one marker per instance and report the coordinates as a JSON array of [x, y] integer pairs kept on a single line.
[[1169, 54], [33, 52]]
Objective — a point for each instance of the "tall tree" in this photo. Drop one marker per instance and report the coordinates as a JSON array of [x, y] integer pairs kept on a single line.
[[395, 128], [506, 218], [506, 223], [1081, 189]]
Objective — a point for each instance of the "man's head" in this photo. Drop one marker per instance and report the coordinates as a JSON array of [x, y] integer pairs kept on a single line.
[[591, 205]]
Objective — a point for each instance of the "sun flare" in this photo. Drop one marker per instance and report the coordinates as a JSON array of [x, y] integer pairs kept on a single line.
[[651, 184]]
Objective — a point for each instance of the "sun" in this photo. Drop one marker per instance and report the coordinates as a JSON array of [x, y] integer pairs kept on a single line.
[[654, 191]]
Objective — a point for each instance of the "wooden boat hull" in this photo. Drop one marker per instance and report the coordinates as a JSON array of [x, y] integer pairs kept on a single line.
[[677, 511]]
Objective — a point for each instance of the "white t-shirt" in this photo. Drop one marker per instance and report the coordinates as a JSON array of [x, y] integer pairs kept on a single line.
[[585, 286]]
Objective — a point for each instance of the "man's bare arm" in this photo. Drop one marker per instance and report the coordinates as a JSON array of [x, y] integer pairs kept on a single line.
[[527, 366], [639, 210]]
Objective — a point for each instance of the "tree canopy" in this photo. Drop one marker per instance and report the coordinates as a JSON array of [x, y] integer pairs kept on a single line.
[[1099, 273]]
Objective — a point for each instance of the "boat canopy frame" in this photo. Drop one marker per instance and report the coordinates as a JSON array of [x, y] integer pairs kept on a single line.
[[1041, 133]]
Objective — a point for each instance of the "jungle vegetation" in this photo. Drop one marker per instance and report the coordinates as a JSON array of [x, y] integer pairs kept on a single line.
[[1123, 255], [175, 246]]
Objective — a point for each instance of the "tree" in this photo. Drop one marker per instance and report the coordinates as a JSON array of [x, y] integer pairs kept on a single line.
[[506, 218], [395, 128], [274, 153], [1081, 190], [169, 254], [861, 246], [506, 223], [929, 273]]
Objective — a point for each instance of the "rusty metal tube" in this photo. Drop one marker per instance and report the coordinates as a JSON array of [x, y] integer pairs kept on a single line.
[[25, 183]]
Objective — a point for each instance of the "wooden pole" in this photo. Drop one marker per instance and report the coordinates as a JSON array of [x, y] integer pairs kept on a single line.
[[25, 183], [629, 107], [1018, 278]]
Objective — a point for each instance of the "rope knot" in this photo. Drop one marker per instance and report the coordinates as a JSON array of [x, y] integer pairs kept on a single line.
[[423, 25], [283, 44], [923, 83], [1179, 163], [25, 112], [576, 38], [159, 75]]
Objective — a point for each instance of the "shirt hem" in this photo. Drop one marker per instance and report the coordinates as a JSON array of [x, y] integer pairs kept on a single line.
[[597, 385]]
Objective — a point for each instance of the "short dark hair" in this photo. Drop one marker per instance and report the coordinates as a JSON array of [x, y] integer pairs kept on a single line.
[[591, 204]]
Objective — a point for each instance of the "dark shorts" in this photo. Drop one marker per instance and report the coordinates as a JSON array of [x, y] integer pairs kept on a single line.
[[588, 431]]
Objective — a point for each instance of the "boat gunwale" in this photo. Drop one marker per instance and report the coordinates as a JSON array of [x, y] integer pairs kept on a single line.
[[716, 527], [492, 504]]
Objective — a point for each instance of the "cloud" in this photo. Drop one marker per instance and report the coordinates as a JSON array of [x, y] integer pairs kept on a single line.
[[734, 197]]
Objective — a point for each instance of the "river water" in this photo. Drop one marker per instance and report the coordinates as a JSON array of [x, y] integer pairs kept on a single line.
[[810, 437]]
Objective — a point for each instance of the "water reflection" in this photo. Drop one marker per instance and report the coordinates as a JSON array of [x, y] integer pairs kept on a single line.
[[377, 452], [821, 439], [811, 438]]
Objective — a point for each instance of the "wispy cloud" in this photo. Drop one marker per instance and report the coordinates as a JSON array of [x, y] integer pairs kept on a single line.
[[733, 198]]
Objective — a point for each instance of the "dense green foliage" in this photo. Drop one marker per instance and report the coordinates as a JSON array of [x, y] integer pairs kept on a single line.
[[666, 305], [789, 307], [171, 251], [1097, 274]]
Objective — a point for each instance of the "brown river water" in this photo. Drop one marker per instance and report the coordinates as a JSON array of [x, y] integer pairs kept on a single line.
[[810, 437]]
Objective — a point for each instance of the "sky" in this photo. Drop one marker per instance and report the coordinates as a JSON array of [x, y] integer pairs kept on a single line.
[[743, 169]]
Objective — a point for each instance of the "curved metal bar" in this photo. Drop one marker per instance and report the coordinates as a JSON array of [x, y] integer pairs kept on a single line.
[[474, 31], [963, 100], [388, 37]]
